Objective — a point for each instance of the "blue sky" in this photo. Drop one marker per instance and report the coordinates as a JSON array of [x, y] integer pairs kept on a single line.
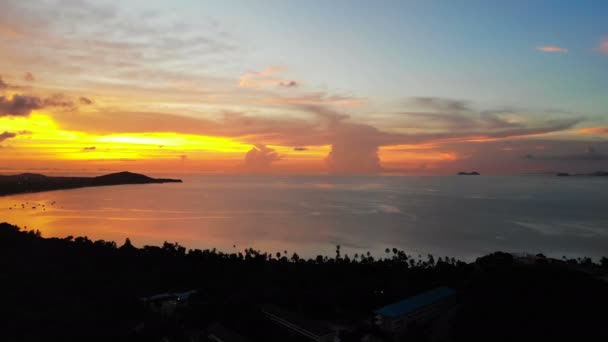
[[479, 50]]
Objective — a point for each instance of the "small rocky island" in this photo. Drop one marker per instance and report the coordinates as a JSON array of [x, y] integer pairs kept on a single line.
[[473, 173], [33, 182]]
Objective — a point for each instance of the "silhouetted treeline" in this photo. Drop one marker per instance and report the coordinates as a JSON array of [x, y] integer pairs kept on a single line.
[[78, 289]]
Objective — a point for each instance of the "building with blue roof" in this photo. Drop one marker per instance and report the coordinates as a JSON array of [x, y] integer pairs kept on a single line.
[[414, 310]]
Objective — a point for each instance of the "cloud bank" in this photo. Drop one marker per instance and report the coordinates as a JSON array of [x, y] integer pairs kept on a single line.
[[260, 157]]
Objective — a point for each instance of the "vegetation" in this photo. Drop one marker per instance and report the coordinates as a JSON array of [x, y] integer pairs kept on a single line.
[[79, 289], [33, 182]]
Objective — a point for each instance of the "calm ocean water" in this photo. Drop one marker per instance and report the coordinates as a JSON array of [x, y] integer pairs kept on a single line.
[[460, 216]]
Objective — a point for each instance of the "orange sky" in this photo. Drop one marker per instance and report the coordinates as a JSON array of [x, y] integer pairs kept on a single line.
[[80, 91]]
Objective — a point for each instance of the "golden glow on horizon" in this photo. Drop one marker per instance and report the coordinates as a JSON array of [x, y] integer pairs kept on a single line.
[[593, 131], [41, 138]]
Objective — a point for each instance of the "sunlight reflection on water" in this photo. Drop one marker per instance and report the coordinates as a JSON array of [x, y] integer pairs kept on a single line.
[[456, 216]]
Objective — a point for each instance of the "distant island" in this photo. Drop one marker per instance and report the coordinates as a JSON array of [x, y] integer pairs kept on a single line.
[[593, 174], [33, 182], [474, 173]]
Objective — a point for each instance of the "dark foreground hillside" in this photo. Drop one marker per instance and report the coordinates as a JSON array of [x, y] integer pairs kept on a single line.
[[75, 289]]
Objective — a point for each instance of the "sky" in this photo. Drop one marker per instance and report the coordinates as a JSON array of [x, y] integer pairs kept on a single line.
[[355, 87]]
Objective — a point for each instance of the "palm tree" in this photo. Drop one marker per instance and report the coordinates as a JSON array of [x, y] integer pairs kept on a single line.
[[295, 257]]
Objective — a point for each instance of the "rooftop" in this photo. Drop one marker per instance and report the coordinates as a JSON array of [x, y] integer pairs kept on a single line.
[[414, 303]]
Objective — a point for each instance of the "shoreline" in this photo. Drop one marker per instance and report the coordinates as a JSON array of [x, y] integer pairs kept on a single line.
[[99, 290]]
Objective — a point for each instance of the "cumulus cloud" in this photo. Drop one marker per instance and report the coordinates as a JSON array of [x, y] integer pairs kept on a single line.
[[7, 135], [354, 152], [552, 49], [89, 149], [85, 100], [354, 146], [260, 157]]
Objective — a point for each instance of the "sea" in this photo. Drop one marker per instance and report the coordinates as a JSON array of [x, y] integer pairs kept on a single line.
[[455, 216]]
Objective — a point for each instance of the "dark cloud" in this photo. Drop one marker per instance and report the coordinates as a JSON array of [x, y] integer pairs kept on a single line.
[[29, 77], [89, 149], [440, 104], [7, 135], [85, 100], [544, 127], [455, 120], [23, 105], [3, 84], [19, 105], [300, 149], [260, 157], [460, 121], [290, 84]]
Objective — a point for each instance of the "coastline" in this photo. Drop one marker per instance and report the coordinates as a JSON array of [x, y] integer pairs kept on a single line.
[[100, 290], [33, 183]]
